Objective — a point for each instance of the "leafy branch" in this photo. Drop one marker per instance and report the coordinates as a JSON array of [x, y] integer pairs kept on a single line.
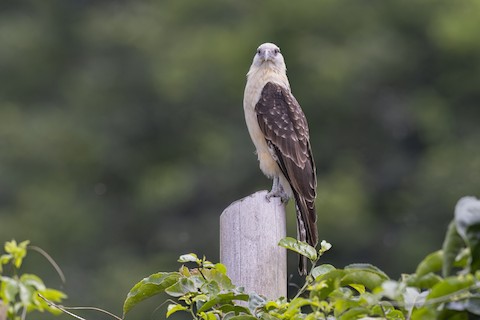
[[19, 293], [445, 284]]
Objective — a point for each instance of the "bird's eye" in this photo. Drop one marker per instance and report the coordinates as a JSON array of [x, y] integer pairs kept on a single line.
[[277, 51], [259, 51]]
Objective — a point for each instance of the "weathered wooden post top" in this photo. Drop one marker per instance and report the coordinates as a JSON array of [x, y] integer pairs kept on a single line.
[[250, 230]]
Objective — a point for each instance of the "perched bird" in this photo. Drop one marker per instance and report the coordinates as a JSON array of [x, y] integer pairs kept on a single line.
[[279, 131]]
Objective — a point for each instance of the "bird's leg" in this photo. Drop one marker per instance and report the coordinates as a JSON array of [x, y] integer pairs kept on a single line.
[[277, 191]]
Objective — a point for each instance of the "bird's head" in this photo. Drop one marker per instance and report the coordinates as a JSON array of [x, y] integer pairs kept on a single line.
[[268, 55]]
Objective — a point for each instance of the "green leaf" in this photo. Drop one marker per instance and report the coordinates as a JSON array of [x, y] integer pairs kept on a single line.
[[450, 285], [367, 267], [10, 246], [255, 301], [321, 270], [223, 298], [191, 257], [359, 287], [181, 287], [211, 288], [424, 313], [219, 277], [25, 294], [5, 258], [452, 246], [200, 297], [9, 289], [431, 263], [206, 264], [148, 287], [230, 296], [343, 303], [387, 310], [294, 307], [299, 247], [208, 304], [24, 244], [326, 283], [270, 305], [208, 315], [228, 308], [18, 251], [244, 317], [172, 308], [53, 295], [354, 313], [365, 274], [32, 280], [221, 268], [462, 259], [426, 281]]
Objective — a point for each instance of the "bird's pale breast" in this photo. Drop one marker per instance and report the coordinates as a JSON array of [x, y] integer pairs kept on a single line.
[[253, 90]]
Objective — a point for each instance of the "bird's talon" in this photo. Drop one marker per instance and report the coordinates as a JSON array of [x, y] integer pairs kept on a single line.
[[278, 194], [267, 197]]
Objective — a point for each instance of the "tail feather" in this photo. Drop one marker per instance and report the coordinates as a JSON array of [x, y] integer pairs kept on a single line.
[[306, 227]]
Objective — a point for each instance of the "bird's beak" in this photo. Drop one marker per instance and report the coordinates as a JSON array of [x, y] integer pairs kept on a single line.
[[267, 55]]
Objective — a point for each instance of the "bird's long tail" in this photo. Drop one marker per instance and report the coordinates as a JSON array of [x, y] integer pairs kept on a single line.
[[306, 227]]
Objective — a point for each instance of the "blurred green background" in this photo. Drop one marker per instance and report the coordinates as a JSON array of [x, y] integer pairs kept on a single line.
[[122, 136]]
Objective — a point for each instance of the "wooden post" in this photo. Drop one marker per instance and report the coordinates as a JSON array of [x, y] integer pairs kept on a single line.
[[250, 230], [3, 311]]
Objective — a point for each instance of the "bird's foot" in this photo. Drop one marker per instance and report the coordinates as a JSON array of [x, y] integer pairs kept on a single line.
[[278, 193]]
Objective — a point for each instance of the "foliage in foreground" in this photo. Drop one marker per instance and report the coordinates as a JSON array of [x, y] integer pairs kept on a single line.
[[22, 293], [446, 285]]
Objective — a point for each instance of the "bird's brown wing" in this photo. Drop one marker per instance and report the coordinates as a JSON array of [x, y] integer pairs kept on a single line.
[[285, 127]]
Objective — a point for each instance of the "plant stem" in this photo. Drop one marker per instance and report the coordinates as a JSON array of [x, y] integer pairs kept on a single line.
[[308, 279]]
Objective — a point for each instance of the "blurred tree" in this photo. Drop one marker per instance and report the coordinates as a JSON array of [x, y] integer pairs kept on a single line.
[[122, 135]]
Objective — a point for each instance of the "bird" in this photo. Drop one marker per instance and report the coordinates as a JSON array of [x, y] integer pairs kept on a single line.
[[279, 130]]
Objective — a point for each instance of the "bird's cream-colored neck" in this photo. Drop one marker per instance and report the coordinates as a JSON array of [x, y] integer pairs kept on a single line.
[[268, 72]]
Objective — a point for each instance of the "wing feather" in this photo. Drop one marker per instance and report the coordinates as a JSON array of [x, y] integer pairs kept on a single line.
[[285, 127]]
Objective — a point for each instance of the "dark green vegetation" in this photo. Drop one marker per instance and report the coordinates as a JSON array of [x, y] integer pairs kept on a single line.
[[445, 285], [22, 293], [122, 135]]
